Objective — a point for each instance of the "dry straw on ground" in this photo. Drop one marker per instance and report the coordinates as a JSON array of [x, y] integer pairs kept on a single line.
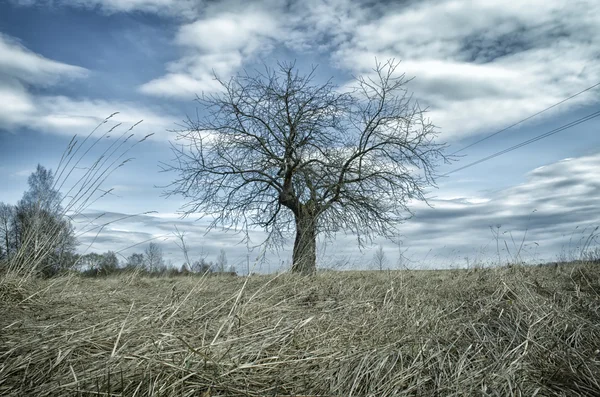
[[520, 331]]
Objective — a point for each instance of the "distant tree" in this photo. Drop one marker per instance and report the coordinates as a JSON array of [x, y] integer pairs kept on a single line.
[[109, 263], [44, 237], [153, 257], [41, 192], [53, 240], [169, 264], [379, 259], [7, 239], [94, 264], [278, 151], [135, 261], [221, 261], [202, 266], [69, 260], [171, 271], [90, 263]]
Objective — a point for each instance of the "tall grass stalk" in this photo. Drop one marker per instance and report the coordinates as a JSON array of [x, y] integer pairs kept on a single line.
[[83, 184]]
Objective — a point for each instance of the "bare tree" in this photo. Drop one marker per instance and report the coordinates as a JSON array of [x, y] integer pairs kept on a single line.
[[153, 256], [42, 192], [202, 266], [276, 150], [40, 228], [90, 263], [110, 262], [222, 261], [7, 241], [379, 259], [135, 261]]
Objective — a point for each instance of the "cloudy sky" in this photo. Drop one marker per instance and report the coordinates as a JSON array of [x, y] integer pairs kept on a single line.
[[479, 66]]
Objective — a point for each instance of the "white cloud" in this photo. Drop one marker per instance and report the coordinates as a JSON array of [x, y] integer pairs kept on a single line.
[[16, 103], [436, 28], [67, 116], [20, 63], [228, 32], [483, 64], [479, 65], [324, 25], [21, 68], [555, 200], [179, 8], [214, 44], [190, 76]]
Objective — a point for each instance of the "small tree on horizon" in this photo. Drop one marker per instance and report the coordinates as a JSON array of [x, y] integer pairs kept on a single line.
[[202, 266], [379, 258], [135, 261], [90, 263], [221, 263], [110, 262], [42, 235], [153, 257], [7, 237], [278, 151]]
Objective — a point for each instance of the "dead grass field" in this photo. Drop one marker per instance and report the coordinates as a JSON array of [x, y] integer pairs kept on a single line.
[[520, 331]]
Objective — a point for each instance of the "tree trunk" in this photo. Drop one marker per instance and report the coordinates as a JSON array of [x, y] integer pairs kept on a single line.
[[7, 240], [305, 245]]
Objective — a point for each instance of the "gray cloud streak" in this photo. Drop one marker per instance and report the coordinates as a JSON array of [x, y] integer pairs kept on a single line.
[[555, 202]]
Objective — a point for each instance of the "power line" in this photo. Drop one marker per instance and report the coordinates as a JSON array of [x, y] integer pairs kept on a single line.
[[525, 119], [535, 139]]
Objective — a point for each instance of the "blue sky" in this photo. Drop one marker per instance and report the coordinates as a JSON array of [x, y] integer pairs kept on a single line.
[[479, 65]]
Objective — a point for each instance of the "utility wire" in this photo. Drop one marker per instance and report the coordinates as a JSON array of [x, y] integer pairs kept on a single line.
[[525, 119], [535, 139]]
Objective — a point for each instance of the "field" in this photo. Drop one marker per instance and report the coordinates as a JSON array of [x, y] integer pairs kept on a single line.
[[512, 331]]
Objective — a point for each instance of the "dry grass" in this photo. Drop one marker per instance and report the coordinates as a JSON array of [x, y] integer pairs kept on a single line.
[[520, 331]]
